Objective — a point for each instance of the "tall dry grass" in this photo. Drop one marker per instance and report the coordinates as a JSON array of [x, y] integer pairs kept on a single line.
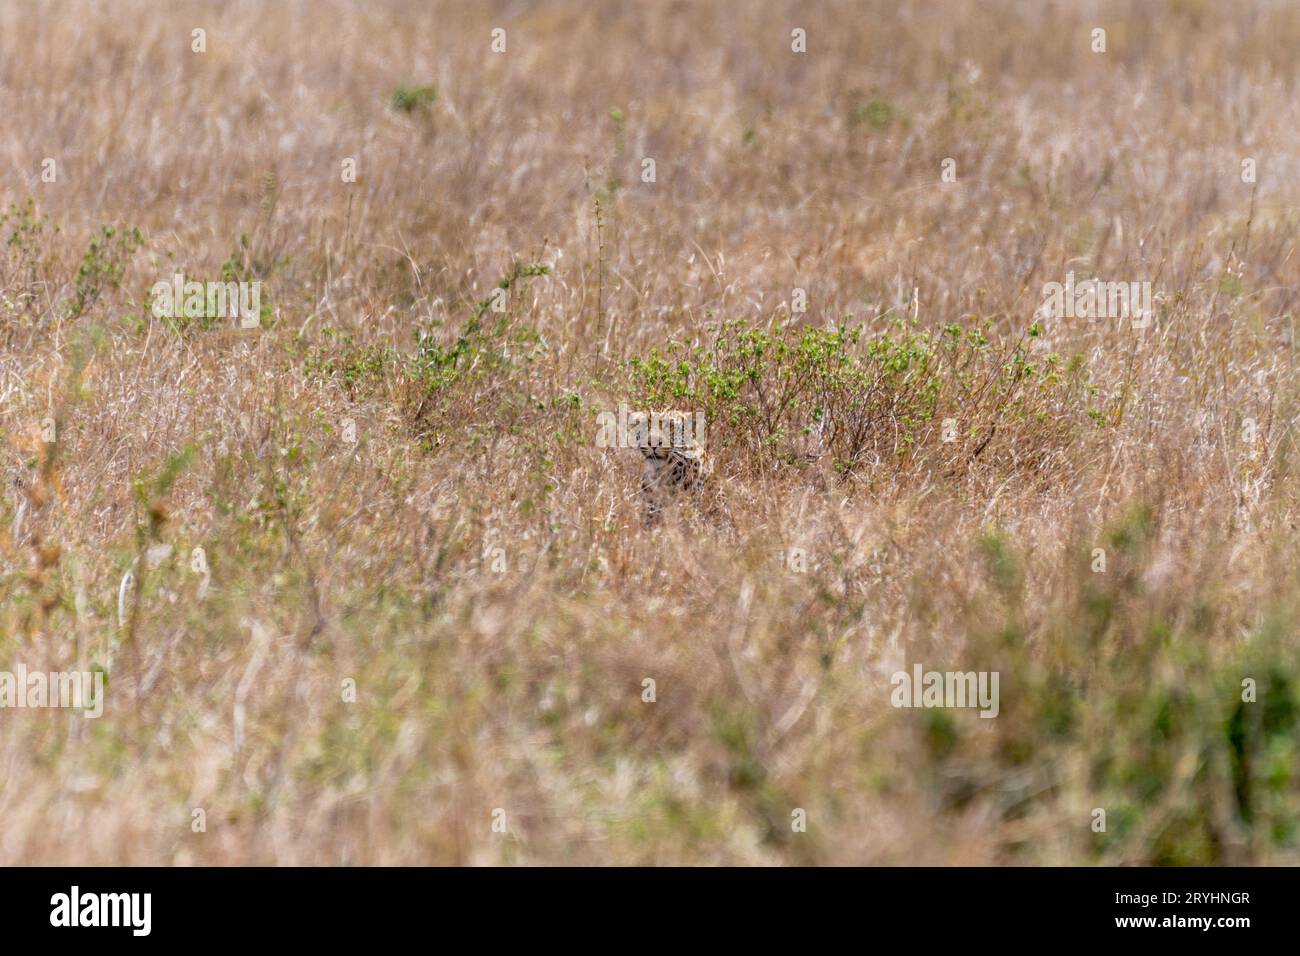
[[477, 566]]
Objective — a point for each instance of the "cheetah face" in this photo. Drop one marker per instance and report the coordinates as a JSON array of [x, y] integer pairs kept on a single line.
[[670, 443], [662, 435]]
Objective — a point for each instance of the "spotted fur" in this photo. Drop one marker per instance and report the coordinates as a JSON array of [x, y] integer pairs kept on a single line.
[[672, 445]]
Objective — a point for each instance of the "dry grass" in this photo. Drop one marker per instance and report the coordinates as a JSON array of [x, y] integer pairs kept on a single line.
[[520, 687]]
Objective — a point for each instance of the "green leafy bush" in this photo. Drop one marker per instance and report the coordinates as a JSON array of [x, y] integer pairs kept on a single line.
[[785, 392]]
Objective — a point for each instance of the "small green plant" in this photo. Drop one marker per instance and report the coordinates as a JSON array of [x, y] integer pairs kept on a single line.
[[438, 366], [24, 227], [358, 367], [24, 236], [410, 99], [875, 113], [103, 265]]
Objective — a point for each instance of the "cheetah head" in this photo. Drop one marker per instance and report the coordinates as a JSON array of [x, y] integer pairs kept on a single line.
[[659, 434]]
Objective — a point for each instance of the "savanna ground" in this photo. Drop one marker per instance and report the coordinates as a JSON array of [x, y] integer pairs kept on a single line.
[[426, 601]]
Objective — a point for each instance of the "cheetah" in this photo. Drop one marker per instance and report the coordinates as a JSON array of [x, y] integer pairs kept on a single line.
[[672, 444]]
